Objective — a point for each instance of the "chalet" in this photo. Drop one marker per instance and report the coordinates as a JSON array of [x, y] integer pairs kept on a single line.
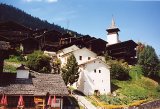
[[97, 45], [35, 93], [125, 50], [17, 35], [49, 40], [66, 39], [4, 53], [94, 77], [94, 74]]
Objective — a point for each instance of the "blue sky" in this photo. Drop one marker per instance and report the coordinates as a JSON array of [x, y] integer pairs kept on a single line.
[[137, 20]]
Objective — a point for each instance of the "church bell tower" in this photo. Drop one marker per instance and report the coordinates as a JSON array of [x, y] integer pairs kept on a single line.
[[113, 36]]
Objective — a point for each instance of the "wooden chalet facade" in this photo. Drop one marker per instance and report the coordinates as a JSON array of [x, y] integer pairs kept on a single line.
[[17, 34], [4, 53], [124, 50], [35, 90]]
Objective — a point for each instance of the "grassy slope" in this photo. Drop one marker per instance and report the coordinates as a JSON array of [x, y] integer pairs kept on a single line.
[[11, 64], [131, 92], [143, 88]]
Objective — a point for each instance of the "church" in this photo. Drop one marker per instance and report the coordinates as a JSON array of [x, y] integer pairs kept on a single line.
[[125, 50]]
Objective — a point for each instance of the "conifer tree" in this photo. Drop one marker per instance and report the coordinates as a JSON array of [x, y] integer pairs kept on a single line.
[[70, 72]]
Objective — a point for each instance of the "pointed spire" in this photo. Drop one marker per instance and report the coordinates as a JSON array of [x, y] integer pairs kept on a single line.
[[113, 24]]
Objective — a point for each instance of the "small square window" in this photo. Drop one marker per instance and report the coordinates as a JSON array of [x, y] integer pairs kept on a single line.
[[80, 57], [89, 58]]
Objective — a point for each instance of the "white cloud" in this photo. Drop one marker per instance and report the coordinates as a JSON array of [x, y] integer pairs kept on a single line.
[[49, 1]]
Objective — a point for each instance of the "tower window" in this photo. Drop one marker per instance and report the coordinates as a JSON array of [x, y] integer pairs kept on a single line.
[[94, 70], [80, 57], [99, 71]]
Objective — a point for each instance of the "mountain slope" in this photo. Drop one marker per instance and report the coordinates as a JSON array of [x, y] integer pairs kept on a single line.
[[10, 13]]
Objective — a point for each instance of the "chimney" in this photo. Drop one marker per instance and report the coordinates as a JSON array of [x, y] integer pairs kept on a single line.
[[22, 72]]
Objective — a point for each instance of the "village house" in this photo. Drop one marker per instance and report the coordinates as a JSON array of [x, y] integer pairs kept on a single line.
[[63, 54], [35, 88], [94, 76]]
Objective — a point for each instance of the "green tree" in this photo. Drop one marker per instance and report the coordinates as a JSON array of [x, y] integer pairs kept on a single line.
[[149, 61], [56, 65], [136, 72], [39, 62], [70, 72], [119, 68]]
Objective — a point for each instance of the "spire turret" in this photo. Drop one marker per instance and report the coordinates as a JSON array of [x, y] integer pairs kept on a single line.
[[113, 36]]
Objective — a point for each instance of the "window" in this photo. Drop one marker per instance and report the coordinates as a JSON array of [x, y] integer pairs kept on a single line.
[[80, 57], [94, 70], [102, 81], [89, 58], [99, 71]]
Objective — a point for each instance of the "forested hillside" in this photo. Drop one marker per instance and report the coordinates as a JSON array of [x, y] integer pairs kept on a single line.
[[10, 13]]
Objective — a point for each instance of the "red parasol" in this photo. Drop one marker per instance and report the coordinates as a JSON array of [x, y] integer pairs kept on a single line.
[[49, 101], [20, 101], [5, 100], [54, 99], [2, 99]]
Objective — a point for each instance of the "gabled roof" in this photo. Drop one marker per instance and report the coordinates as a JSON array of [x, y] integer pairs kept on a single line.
[[22, 67], [66, 35], [99, 59], [84, 48], [122, 44], [69, 49], [37, 85]]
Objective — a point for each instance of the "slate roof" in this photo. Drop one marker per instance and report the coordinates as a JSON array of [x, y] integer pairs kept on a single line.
[[37, 85]]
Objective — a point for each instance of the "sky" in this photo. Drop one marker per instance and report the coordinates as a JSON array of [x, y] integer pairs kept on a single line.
[[138, 20]]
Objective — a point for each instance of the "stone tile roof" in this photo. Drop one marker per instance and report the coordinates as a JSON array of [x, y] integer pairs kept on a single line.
[[37, 85]]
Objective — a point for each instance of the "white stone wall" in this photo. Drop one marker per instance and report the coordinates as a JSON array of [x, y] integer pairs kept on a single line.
[[95, 80], [112, 38], [85, 53], [23, 74]]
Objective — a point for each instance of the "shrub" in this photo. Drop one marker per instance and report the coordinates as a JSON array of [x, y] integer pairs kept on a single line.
[[158, 88], [136, 72], [39, 62], [118, 71]]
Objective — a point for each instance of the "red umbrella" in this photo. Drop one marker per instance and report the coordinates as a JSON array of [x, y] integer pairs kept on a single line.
[[5, 100], [20, 101], [49, 101], [2, 99], [54, 99]]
